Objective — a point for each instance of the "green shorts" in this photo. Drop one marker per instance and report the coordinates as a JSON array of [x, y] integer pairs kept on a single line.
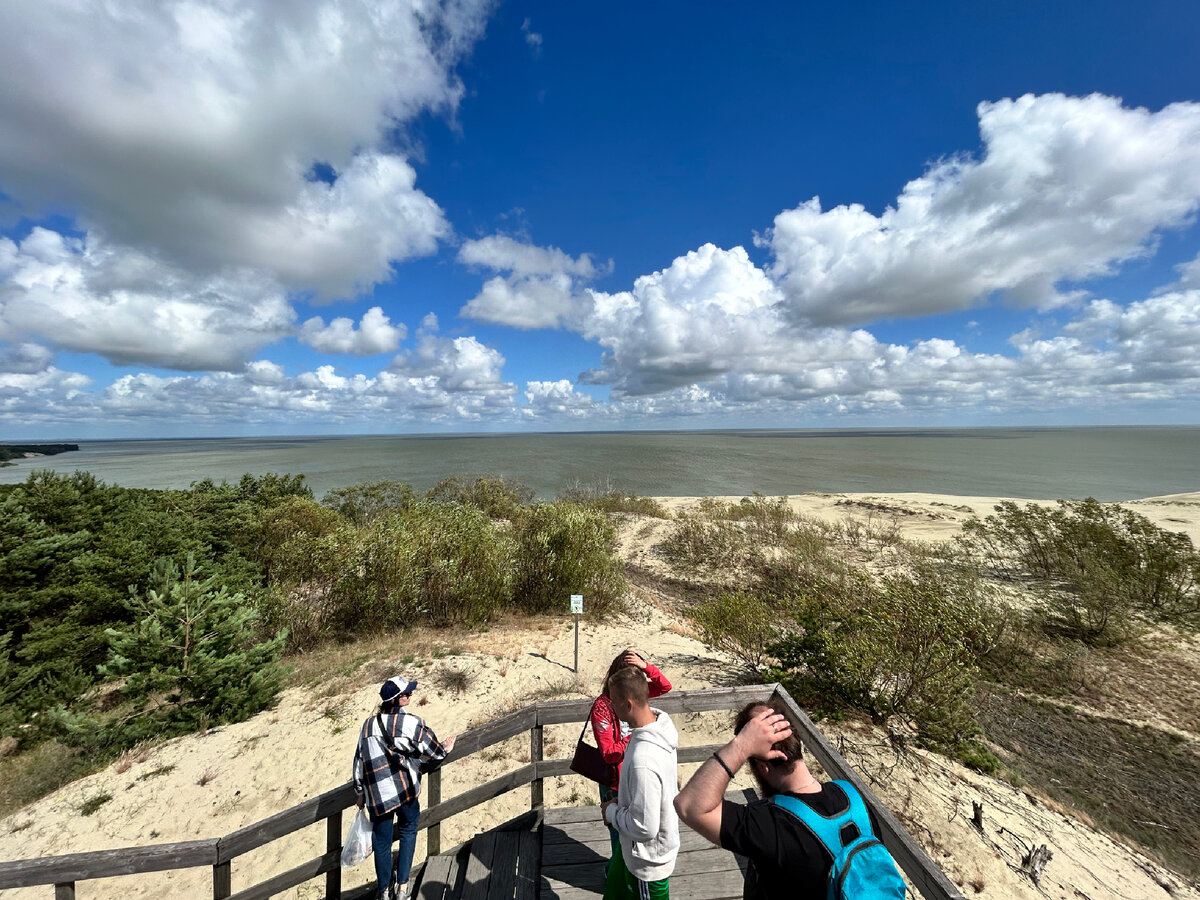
[[622, 885]]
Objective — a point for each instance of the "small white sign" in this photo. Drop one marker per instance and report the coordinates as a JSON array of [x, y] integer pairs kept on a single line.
[[577, 604]]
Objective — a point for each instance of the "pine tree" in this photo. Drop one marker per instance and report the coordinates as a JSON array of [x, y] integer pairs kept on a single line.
[[191, 656]]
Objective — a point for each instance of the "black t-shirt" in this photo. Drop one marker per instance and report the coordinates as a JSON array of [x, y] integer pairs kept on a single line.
[[786, 859]]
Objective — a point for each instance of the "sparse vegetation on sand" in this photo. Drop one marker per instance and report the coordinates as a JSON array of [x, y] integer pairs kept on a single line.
[[1099, 572], [951, 645]]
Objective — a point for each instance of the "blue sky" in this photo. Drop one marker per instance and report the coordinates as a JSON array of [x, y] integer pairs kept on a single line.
[[224, 217]]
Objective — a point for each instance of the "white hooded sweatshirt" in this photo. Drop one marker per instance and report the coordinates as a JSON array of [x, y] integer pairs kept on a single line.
[[644, 814]]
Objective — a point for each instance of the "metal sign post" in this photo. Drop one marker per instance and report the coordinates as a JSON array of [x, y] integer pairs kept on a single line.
[[577, 611]]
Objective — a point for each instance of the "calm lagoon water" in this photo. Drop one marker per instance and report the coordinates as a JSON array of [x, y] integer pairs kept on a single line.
[[1106, 463]]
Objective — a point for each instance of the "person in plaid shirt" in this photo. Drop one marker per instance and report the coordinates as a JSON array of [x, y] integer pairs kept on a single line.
[[394, 749]]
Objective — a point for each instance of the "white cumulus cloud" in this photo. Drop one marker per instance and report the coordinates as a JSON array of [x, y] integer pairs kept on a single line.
[[191, 129], [709, 312], [543, 287], [1066, 188], [375, 334], [82, 295]]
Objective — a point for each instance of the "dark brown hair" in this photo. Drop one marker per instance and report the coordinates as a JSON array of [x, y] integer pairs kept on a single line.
[[791, 746], [630, 684], [617, 665]]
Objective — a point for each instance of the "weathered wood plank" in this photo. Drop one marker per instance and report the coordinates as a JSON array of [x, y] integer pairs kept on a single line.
[[492, 733], [529, 820], [504, 866], [567, 853], [284, 823], [107, 863], [922, 871], [561, 815], [222, 881], [435, 879], [535, 756], [556, 712], [529, 864], [433, 795], [486, 791], [333, 844], [457, 877], [277, 884], [479, 866], [585, 879]]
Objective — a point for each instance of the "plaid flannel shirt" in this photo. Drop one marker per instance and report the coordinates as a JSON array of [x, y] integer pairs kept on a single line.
[[390, 778]]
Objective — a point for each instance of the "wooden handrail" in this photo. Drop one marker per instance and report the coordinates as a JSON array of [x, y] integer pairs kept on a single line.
[[64, 871]]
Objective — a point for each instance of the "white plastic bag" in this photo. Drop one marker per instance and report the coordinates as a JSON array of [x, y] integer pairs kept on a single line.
[[358, 841]]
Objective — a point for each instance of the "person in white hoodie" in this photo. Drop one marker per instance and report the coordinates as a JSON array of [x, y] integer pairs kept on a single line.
[[644, 812]]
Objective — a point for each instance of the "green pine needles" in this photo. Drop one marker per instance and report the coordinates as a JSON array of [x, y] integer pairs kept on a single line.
[[189, 658]]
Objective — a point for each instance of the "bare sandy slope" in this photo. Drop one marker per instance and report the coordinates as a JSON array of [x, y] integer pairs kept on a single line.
[[206, 786]]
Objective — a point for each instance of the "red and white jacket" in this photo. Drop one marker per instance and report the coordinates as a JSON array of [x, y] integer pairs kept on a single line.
[[612, 735]]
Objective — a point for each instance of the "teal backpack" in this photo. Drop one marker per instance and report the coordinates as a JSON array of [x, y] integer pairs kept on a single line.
[[862, 866]]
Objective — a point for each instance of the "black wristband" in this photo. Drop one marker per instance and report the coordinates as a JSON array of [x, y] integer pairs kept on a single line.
[[721, 763]]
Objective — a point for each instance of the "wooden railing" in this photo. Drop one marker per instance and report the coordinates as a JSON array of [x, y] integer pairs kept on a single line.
[[64, 871]]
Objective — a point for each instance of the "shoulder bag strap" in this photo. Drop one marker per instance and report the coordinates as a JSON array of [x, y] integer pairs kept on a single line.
[[387, 738]]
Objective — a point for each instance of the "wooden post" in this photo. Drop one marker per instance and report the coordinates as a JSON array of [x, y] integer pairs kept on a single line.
[[64, 891], [333, 844], [433, 835], [222, 881], [536, 798], [576, 644]]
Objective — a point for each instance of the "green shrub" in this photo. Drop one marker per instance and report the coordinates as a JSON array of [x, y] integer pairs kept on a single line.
[[1096, 568], [364, 502], [564, 549], [437, 563], [441, 563], [741, 624], [767, 521], [499, 497], [609, 499], [295, 539], [905, 645], [703, 544]]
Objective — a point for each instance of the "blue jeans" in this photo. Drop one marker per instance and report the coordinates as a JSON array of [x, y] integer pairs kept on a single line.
[[382, 831]]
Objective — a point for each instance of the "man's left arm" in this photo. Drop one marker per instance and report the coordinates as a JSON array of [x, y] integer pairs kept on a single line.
[[641, 818]]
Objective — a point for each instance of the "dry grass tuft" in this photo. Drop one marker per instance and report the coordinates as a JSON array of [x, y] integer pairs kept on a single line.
[[136, 754]]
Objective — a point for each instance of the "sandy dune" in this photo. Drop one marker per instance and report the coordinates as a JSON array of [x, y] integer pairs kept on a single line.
[[206, 786]]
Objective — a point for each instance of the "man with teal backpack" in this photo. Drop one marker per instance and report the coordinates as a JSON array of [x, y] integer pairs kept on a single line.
[[804, 839]]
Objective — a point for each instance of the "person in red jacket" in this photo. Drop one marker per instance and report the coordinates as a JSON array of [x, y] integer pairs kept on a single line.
[[612, 735]]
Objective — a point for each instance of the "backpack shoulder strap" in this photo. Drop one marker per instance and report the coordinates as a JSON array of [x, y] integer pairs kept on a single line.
[[825, 830], [858, 808]]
